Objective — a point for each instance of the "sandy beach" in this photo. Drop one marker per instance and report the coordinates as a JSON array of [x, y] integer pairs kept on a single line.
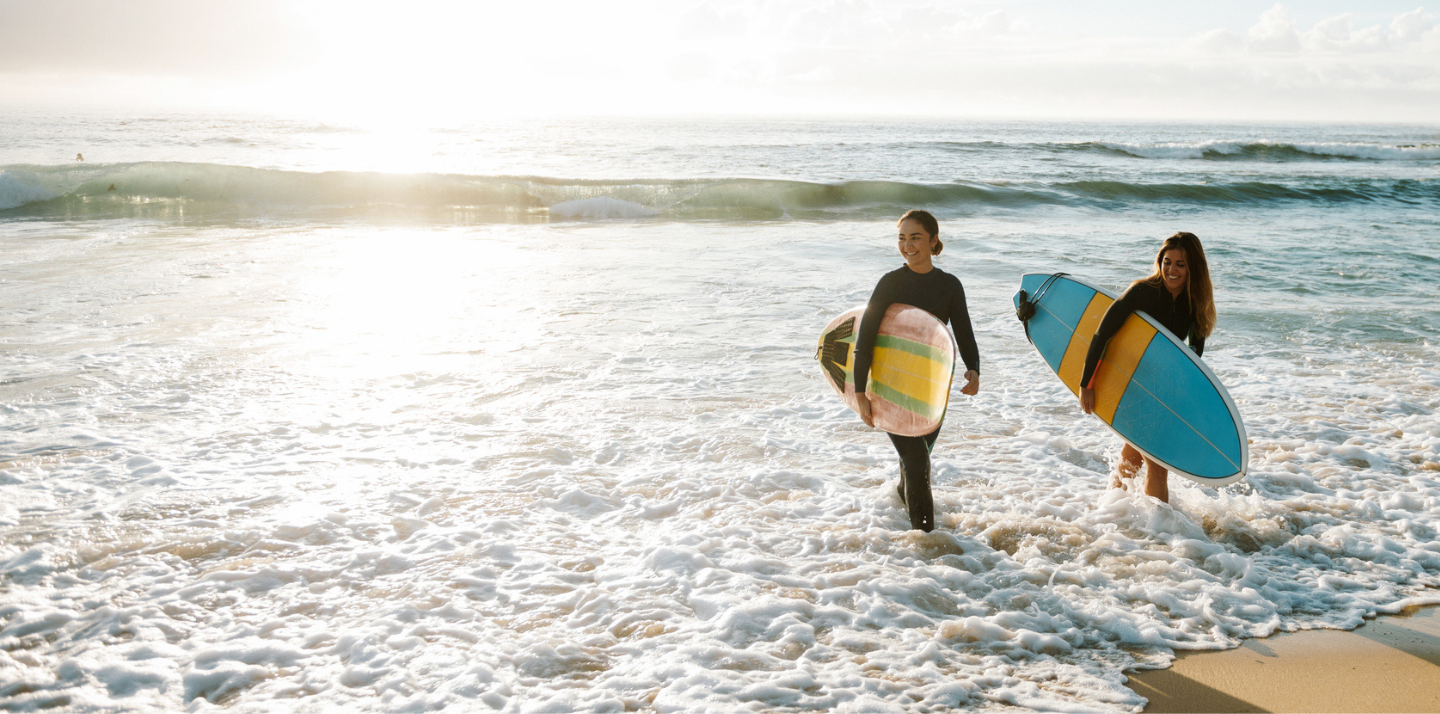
[[1390, 664]]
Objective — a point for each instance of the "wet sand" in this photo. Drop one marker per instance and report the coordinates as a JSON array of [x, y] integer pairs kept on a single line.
[[1390, 664]]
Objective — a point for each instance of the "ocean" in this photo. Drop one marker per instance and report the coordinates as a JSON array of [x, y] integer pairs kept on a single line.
[[523, 415]]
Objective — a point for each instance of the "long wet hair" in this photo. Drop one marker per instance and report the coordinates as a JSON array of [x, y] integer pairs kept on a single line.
[[927, 222], [1197, 280]]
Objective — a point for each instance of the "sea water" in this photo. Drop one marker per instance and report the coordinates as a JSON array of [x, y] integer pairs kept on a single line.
[[302, 416]]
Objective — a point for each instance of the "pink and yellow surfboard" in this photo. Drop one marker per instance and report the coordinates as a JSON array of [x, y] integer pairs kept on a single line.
[[910, 374]]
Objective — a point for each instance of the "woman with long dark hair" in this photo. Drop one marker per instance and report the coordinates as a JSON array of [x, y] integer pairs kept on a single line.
[[1179, 296]]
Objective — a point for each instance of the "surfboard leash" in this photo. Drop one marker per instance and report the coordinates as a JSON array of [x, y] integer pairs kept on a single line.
[[1026, 309]]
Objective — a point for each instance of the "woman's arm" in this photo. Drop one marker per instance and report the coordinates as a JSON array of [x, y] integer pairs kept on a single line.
[[964, 332], [1114, 319], [965, 339], [880, 300]]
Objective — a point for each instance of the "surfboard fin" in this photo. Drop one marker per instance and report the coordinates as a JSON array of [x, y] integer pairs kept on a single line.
[[834, 354], [1025, 310]]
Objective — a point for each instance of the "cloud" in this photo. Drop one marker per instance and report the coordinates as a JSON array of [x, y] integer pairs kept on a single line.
[[996, 22], [839, 23], [705, 21], [1413, 25], [167, 38], [1338, 34], [980, 57], [1276, 32], [939, 57], [865, 25], [1418, 30], [1220, 41], [1335, 68]]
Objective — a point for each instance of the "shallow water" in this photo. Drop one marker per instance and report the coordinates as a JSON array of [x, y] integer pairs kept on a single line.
[[288, 459]]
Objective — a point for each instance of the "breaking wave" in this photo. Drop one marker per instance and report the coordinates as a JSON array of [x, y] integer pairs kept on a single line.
[[179, 189], [1268, 151], [1263, 151]]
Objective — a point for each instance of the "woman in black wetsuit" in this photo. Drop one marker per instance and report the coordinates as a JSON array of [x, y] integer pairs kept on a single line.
[[1179, 296], [921, 284]]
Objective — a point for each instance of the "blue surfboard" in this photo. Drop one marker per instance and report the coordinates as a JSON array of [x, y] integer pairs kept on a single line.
[[1150, 389]]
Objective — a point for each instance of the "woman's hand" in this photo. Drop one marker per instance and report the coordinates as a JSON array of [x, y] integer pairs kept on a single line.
[[862, 403], [972, 383], [1087, 400]]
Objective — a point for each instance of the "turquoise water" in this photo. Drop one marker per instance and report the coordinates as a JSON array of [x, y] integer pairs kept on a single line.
[[320, 417]]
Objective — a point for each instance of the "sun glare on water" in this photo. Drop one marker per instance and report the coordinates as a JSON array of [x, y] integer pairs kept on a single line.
[[408, 301]]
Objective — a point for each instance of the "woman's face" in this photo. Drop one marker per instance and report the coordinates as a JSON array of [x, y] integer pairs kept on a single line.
[[915, 245], [1174, 270]]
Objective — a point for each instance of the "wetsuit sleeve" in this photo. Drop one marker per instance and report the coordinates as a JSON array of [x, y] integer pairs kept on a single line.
[[1114, 319], [1197, 343], [964, 333], [880, 301]]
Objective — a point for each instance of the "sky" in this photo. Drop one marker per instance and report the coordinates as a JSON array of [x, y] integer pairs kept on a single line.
[[1326, 60]]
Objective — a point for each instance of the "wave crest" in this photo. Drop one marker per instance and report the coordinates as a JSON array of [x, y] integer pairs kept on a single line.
[[160, 189], [1268, 151]]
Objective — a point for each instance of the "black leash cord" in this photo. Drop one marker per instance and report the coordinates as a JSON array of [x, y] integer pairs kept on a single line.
[[1026, 309]]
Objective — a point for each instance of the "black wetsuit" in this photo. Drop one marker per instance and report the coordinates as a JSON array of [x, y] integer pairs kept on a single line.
[[1172, 312], [940, 294]]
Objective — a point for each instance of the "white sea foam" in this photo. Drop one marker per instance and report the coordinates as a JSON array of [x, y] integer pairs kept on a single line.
[[1375, 152], [593, 466]]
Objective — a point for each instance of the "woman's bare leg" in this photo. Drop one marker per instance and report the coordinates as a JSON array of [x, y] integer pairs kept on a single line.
[[1157, 481], [1128, 467]]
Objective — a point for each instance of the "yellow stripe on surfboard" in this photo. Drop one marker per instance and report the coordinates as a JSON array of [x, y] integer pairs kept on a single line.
[[920, 378], [1121, 356], [1072, 366]]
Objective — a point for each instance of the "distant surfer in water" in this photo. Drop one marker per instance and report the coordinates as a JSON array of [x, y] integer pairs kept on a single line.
[[921, 284], [1178, 295]]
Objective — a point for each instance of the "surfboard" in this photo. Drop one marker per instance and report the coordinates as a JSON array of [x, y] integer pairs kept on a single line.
[[910, 372], [1150, 389]]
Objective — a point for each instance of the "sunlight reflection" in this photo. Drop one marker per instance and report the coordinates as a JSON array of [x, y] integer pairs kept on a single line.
[[404, 301]]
